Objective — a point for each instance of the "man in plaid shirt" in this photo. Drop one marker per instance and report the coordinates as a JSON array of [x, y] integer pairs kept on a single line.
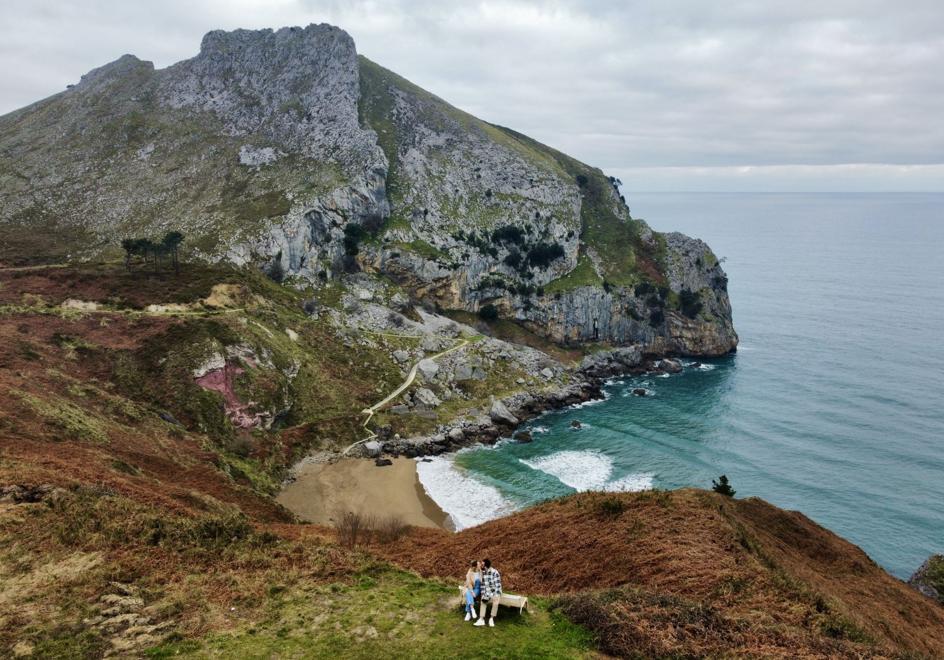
[[491, 593]]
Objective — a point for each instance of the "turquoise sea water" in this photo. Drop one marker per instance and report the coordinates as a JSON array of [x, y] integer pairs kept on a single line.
[[833, 405]]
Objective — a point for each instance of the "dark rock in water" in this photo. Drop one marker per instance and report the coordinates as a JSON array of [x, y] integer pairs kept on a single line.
[[380, 462], [696, 365], [426, 460], [576, 424], [929, 578], [523, 436], [655, 372], [671, 366], [640, 391]]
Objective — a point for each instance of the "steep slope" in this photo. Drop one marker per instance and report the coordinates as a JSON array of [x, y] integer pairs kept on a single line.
[[147, 418], [286, 148], [690, 573], [233, 147]]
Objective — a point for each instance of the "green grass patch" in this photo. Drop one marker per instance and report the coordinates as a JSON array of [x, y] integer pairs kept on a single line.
[[583, 274], [386, 613], [66, 417], [424, 249]]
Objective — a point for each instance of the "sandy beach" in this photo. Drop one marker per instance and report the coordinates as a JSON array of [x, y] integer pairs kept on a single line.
[[321, 490]]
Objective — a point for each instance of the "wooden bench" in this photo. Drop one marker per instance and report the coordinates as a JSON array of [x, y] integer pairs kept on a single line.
[[508, 600]]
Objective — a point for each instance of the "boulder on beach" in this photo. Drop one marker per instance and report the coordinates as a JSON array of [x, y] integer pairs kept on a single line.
[[499, 413], [372, 449]]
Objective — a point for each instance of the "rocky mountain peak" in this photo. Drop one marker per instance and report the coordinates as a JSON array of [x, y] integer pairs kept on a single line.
[[125, 65], [296, 86], [284, 150]]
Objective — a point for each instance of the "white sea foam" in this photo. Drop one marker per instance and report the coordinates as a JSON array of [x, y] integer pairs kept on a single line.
[[581, 470], [700, 365], [592, 402], [539, 429], [587, 470], [467, 501]]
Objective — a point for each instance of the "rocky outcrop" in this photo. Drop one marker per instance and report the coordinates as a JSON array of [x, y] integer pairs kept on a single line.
[[604, 364], [929, 578], [487, 428], [286, 150]]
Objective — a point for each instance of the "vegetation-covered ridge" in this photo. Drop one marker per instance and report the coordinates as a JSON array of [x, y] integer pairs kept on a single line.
[[151, 416], [287, 151], [690, 573]]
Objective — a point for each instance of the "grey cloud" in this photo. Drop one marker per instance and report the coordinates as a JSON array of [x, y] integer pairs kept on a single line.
[[667, 87]]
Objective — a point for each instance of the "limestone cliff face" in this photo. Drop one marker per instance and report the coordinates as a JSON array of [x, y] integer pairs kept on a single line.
[[284, 147]]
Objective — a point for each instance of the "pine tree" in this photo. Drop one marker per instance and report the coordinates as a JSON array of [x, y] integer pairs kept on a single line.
[[130, 246], [722, 486]]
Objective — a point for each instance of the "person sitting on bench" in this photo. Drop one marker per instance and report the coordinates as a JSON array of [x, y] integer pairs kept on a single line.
[[491, 593], [473, 588]]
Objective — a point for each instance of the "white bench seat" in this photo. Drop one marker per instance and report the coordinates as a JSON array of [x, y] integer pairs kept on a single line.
[[508, 600]]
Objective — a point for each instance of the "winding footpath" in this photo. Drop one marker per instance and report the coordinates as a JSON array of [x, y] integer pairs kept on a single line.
[[397, 392]]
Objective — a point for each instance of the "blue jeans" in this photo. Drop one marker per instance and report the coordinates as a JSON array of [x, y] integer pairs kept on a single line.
[[470, 596]]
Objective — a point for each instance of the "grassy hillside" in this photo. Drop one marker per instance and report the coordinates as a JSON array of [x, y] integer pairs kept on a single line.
[[137, 517], [134, 516], [690, 573]]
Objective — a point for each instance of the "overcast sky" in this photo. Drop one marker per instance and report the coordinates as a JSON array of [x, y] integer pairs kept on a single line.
[[668, 94]]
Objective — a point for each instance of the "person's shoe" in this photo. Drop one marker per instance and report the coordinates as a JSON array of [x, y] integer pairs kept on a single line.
[[491, 623], [480, 622], [468, 616]]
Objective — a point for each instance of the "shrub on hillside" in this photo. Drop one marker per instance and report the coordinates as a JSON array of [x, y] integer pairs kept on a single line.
[[542, 254], [353, 235], [352, 529], [690, 302], [488, 312], [722, 486], [389, 529], [513, 259], [275, 272], [609, 506], [508, 234]]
